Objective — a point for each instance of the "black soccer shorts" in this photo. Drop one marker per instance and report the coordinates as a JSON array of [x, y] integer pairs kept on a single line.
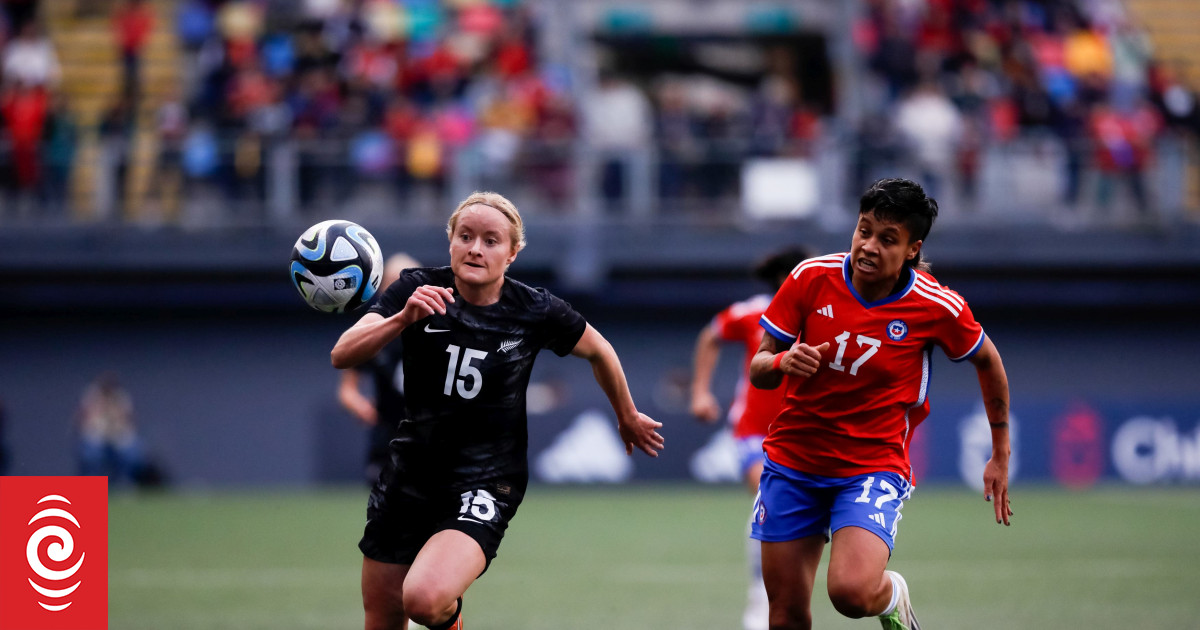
[[402, 517]]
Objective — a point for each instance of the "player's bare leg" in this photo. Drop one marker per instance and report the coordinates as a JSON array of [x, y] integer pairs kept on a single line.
[[789, 571], [857, 584], [383, 596], [448, 563], [757, 613], [753, 475]]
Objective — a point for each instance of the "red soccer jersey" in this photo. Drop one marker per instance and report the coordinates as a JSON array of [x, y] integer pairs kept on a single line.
[[857, 413], [753, 409]]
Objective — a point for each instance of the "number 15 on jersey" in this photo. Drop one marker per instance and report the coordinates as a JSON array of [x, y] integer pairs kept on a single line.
[[459, 374]]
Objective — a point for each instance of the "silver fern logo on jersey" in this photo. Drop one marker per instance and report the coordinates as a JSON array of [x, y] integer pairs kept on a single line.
[[509, 345], [60, 550]]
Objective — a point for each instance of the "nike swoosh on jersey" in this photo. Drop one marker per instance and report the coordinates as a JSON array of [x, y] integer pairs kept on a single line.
[[435, 330]]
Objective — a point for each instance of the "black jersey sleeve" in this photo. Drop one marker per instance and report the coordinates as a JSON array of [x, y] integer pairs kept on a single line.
[[393, 298], [565, 326]]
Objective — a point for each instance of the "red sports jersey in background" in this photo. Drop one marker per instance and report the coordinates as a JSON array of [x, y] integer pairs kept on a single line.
[[753, 409], [857, 413]]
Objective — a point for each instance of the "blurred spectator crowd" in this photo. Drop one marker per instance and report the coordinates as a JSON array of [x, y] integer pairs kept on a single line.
[[404, 96], [954, 77], [375, 90], [37, 135]]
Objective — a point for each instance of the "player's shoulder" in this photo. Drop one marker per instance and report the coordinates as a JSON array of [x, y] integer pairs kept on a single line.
[[828, 265], [419, 276], [751, 306], [521, 295], [927, 289]]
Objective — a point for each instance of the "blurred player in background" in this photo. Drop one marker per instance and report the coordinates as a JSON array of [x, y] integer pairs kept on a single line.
[[753, 409], [459, 470], [109, 444], [384, 413], [854, 333]]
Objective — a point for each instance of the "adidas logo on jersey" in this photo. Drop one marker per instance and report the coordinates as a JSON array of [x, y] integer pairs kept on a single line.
[[827, 311]]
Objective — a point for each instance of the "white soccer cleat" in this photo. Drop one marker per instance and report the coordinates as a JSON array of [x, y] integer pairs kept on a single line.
[[903, 617]]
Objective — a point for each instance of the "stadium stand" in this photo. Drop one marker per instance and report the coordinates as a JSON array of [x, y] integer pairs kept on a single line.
[[1029, 120], [261, 111]]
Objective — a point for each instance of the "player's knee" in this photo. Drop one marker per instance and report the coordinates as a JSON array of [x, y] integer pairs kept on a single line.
[[428, 606], [850, 600]]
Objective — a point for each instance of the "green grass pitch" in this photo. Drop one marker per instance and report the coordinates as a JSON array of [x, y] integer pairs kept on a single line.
[[658, 557]]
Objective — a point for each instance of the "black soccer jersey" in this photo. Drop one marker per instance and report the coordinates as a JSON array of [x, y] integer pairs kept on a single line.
[[384, 370], [466, 373]]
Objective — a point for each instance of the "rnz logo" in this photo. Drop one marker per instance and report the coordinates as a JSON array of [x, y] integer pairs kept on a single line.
[[54, 586], [53, 553]]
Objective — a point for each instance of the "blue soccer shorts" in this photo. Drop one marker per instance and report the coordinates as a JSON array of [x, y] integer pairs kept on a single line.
[[792, 505], [750, 452]]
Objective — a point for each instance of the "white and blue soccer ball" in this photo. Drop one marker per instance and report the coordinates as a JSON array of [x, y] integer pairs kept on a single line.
[[337, 266]]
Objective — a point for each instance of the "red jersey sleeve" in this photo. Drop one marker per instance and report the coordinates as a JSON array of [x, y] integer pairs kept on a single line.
[[790, 305], [957, 333], [724, 324], [740, 319]]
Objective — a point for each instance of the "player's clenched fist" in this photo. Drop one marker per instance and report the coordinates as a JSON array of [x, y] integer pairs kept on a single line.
[[802, 359], [427, 300]]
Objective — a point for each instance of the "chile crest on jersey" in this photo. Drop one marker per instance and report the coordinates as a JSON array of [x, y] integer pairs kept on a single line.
[[897, 330]]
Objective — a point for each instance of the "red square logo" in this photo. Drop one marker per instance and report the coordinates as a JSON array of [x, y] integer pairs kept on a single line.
[[54, 553]]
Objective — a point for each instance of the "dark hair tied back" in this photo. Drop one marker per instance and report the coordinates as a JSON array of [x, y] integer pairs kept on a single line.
[[775, 267], [903, 201]]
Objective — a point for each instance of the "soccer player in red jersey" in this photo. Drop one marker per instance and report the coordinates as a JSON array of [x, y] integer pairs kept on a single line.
[[853, 333], [753, 409]]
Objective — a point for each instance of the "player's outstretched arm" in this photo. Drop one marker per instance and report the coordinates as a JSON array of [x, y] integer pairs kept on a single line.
[[353, 400], [637, 429], [372, 332], [993, 385], [704, 404]]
